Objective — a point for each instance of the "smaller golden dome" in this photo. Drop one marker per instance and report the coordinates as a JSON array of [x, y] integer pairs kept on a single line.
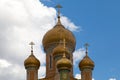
[[86, 62], [31, 61], [64, 63], [60, 49]]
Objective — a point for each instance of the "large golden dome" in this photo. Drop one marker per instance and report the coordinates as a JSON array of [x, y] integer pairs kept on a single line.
[[86, 62], [32, 61], [64, 63], [58, 33]]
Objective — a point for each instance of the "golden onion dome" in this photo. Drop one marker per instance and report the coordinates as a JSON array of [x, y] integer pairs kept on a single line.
[[64, 63], [58, 33], [86, 62], [60, 49], [32, 61]]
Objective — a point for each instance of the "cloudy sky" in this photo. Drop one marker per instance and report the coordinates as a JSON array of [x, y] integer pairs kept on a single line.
[[95, 22]]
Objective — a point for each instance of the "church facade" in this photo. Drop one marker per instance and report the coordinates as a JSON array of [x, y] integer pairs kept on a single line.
[[59, 44]]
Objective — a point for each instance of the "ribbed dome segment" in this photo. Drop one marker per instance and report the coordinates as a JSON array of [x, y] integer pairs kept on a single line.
[[86, 62], [58, 33], [32, 61], [64, 63]]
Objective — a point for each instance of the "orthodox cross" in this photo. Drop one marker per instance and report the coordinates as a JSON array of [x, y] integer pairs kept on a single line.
[[31, 43], [58, 7], [86, 46]]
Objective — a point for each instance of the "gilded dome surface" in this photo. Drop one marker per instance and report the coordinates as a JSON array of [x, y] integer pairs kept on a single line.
[[86, 62], [60, 50], [32, 61], [58, 33], [64, 63]]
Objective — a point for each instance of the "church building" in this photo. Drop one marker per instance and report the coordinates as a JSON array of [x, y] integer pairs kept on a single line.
[[59, 44]]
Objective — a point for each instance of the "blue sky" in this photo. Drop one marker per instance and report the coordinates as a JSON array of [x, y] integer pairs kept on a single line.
[[23, 21], [99, 21]]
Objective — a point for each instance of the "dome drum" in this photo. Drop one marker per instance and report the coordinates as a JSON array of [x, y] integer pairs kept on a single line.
[[64, 68], [86, 67], [31, 66]]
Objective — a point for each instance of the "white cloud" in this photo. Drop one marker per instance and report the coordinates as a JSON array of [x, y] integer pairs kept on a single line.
[[68, 24], [93, 79], [78, 76], [22, 21], [4, 63], [78, 55], [42, 71], [112, 79], [13, 72]]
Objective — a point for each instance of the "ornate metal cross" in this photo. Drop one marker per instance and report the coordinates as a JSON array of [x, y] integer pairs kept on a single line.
[[86, 46], [58, 7], [31, 43]]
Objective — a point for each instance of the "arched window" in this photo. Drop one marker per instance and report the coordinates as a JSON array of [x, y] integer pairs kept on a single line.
[[50, 61]]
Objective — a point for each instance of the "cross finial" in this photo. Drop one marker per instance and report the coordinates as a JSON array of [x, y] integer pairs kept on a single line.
[[86, 46], [31, 43], [64, 43], [64, 56], [64, 46], [58, 7]]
